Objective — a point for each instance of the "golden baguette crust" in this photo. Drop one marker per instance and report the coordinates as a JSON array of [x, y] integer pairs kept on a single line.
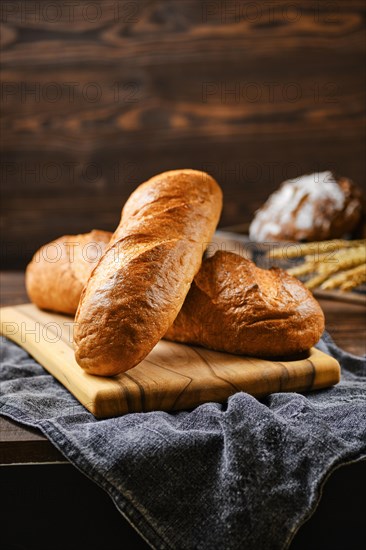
[[139, 285], [236, 307], [58, 271]]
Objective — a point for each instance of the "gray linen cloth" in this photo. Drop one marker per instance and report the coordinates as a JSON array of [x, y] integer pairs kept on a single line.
[[243, 474]]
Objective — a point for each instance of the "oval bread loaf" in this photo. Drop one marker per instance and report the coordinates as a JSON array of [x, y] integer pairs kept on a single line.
[[139, 285], [58, 271], [314, 207], [235, 306]]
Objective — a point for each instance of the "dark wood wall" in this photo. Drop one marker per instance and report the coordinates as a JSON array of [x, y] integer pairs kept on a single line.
[[98, 96]]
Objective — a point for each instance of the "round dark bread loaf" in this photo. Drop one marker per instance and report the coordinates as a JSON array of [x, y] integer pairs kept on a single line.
[[236, 307], [314, 207]]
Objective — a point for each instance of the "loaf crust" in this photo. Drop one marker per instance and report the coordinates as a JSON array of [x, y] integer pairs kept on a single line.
[[236, 307], [59, 270], [314, 207], [139, 285]]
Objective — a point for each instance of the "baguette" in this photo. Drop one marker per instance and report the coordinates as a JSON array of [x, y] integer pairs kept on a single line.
[[58, 271], [236, 307], [210, 316], [139, 285]]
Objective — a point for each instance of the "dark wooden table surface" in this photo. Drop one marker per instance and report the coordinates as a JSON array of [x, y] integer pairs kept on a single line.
[[345, 322]]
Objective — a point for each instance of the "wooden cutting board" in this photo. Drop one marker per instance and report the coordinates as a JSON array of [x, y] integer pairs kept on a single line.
[[172, 377]]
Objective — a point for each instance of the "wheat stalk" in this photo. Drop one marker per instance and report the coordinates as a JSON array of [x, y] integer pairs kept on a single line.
[[344, 259], [346, 280], [299, 250], [333, 265]]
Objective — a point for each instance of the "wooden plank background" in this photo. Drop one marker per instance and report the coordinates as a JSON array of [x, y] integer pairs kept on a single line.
[[98, 96]]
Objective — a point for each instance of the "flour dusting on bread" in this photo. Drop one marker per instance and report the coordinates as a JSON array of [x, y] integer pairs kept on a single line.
[[315, 206]]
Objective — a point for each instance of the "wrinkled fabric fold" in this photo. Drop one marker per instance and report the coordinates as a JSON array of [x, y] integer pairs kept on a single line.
[[246, 473]]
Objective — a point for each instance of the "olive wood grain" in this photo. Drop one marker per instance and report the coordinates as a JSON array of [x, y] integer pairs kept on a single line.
[[172, 377]]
